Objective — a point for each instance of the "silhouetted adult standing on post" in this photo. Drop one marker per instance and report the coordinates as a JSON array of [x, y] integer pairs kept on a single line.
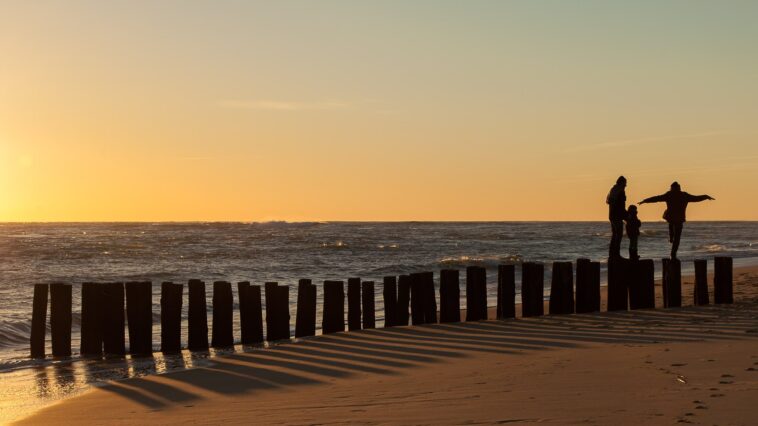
[[676, 207], [616, 201]]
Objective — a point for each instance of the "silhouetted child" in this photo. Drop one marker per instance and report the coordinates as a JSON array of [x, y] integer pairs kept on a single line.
[[633, 225]]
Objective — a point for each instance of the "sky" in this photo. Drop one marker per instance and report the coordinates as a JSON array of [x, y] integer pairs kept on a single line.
[[374, 110]]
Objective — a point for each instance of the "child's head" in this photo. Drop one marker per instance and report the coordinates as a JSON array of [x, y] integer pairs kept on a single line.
[[632, 210]]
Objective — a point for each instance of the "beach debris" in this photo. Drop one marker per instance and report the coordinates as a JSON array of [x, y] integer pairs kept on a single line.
[[681, 379]]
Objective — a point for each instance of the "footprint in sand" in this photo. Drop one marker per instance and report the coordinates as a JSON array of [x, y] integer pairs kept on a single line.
[[678, 365]]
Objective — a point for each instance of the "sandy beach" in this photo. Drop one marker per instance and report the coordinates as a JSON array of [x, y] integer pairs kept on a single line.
[[692, 365]]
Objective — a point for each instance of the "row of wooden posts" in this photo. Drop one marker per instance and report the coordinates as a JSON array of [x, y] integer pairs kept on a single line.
[[631, 285]]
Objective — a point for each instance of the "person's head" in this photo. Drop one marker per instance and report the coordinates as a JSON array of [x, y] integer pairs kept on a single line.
[[632, 210], [675, 187], [621, 181]]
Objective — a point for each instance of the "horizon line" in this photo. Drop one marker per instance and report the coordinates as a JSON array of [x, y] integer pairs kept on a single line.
[[344, 221]]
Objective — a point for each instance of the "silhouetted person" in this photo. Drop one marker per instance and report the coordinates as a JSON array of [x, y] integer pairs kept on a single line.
[[675, 214], [616, 201], [633, 225]]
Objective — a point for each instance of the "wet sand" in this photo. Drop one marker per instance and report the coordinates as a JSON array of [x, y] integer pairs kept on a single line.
[[692, 365]]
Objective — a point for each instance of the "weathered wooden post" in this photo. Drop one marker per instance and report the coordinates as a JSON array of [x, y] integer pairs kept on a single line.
[[353, 304], [282, 310], [254, 308], [197, 317], [39, 319], [430, 298], [171, 317], [418, 308], [562, 289], [722, 280], [619, 272], [333, 320], [305, 319], [450, 296], [476, 293], [389, 292], [642, 284], [532, 289], [139, 313], [114, 338], [587, 286], [369, 309], [277, 312], [403, 299], [246, 313], [506, 291], [672, 283], [222, 335], [701, 282], [60, 319], [93, 298]]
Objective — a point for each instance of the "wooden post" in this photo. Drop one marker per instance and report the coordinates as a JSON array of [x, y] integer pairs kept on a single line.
[[251, 316], [139, 313], [113, 319], [476, 293], [197, 317], [701, 282], [506, 291], [562, 289], [334, 307], [39, 319], [587, 286], [634, 286], [353, 304], [403, 299], [532, 289], [246, 317], [305, 320], [418, 308], [722, 280], [369, 309], [672, 283], [450, 296], [171, 317], [277, 312], [618, 279], [429, 297], [222, 335], [93, 298], [60, 319], [642, 284], [390, 301]]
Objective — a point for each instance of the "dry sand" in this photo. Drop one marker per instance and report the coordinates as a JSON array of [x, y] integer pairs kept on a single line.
[[692, 365]]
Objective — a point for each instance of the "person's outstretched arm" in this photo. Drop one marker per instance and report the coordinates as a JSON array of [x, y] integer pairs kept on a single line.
[[657, 199], [698, 198]]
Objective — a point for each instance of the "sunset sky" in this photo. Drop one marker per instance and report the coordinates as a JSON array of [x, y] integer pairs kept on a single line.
[[385, 110]]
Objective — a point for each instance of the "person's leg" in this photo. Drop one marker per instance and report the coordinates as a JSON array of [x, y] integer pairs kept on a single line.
[[671, 232], [633, 248], [677, 227], [617, 231]]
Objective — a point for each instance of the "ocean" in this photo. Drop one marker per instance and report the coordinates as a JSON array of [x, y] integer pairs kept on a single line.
[[284, 252]]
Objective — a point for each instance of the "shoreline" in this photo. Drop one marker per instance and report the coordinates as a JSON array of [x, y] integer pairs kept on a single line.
[[743, 293]]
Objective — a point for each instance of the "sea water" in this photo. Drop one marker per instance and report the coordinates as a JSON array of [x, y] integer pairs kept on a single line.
[[282, 252]]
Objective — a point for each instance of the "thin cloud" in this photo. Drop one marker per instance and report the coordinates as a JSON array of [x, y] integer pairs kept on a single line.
[[283, 105], [640, 141]]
